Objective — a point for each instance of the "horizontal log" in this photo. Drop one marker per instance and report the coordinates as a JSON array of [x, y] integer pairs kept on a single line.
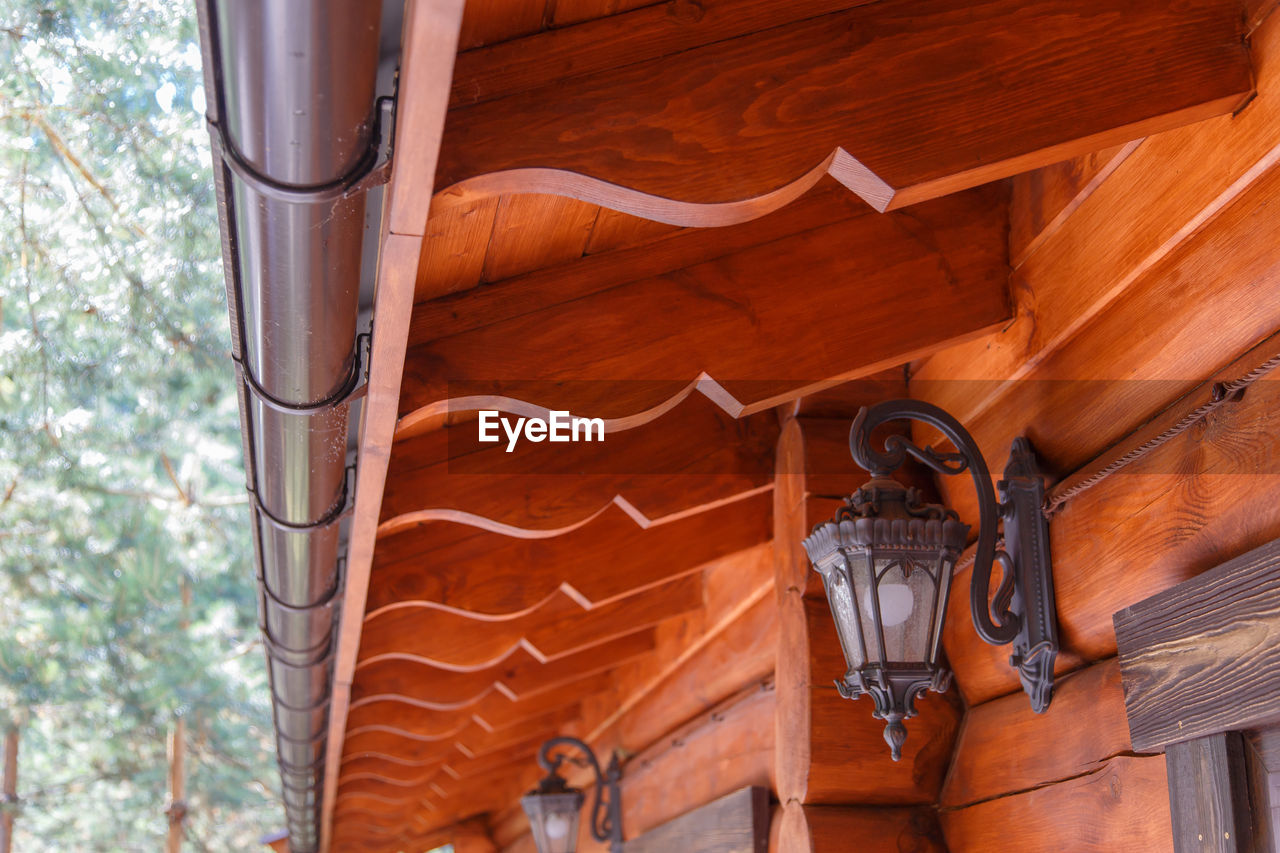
[[1124, 805], [1208, 494], [882, 96], [1203, 656], [558, 628], [494, 575], [1005, 747], [1093, 301], [609, 355], [1147, 349], [828, 829], [445, 474]]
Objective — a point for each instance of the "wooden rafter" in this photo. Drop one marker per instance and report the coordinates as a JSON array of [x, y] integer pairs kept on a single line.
[[901, 100]]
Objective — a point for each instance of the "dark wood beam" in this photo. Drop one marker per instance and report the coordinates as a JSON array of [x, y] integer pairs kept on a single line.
[[901, 100], [1209, 795], [1198, 659], [735, 823]]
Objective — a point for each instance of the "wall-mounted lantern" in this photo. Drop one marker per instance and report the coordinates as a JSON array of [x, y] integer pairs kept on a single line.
[[553, 807], [887, 557]]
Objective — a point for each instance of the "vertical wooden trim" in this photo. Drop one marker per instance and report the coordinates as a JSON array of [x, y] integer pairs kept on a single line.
[[1209, 795], [792, 735], [430, 45], [10, 786]]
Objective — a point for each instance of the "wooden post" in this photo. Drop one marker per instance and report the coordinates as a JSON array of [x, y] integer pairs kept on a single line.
[[10, 794], [1209, 794], [177, 808]]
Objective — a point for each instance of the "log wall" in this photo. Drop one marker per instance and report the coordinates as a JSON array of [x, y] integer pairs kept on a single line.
[[1142, 276]]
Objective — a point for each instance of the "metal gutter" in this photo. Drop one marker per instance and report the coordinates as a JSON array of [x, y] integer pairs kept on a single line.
[[294, 119]]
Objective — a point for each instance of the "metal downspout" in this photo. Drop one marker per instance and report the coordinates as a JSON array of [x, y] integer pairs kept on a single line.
[[293, 117]]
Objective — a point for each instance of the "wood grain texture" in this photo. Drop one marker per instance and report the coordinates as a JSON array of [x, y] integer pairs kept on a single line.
[[518, 675], [1043, 199], [833, 829], [881, 96], [1123, 805], [1204, 656], [535, 231], [1208, 494], [1194, 311], [557, 628], [608, 354], [1165, 192], [1209, 794], [454, 249], [447, 472], [1264, 786], [492, 575], [1005, 747], [735, 823]]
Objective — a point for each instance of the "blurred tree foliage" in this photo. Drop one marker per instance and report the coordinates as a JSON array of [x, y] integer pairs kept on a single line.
[[120, 459]]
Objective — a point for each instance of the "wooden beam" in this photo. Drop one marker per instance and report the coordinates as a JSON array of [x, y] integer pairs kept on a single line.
[[828, 829], [1209, 794], [735, 823], [1123, 805], [500, 575], [448, 474], [518, 675], [1005, 747], [1196, 659], [608, 355], [420, 631], [881, 96], [1096, 345]]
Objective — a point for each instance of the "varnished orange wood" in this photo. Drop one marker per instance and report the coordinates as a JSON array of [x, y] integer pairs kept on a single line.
[[517, 676], [1043, 199], [559, 627], [1200, 305], [610, 556], [553, 486], [612, 354], [1122, 805], [883, 96], [1203, 497], [1140, 228], [1005, 747], [454, 249], [535, 231]]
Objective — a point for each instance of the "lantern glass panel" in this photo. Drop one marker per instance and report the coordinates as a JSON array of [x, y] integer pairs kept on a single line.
[[840, 595], [553, 819], [906, 594]]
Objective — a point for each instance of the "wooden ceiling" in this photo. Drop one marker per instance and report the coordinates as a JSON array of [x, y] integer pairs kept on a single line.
[[671, 216]]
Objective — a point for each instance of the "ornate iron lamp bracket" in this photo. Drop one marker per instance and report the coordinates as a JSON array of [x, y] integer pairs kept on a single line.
[[606, 815], [1022, 610]]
